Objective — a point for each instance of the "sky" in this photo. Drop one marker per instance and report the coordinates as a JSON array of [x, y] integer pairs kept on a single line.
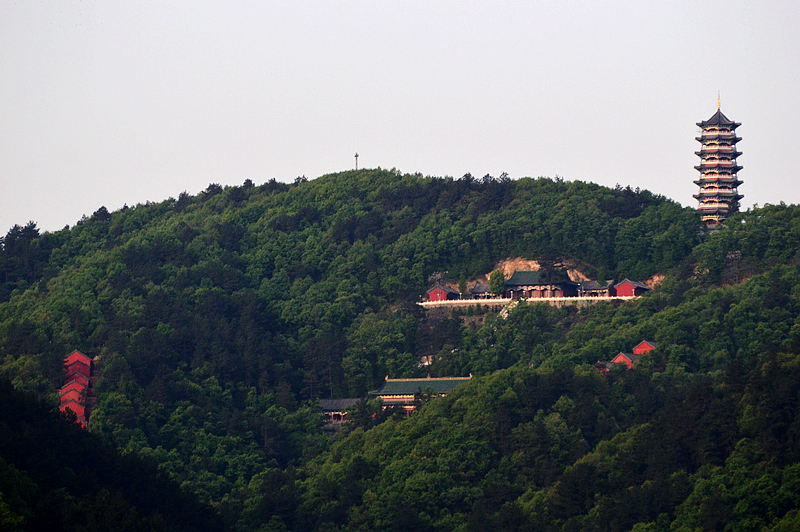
[[114, 103]]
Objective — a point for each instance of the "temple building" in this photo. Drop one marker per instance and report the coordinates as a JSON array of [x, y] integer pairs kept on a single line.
[[627, 359], [538, 283], [77, 393], [718, 197], [406, 393]]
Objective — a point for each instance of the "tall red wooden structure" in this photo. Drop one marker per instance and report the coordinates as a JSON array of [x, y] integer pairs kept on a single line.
[[77, 395]]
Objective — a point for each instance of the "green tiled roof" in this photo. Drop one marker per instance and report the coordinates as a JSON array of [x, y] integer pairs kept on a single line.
[[411, 386], [524, 278], [532, 278], [480, 288], [337, 405]]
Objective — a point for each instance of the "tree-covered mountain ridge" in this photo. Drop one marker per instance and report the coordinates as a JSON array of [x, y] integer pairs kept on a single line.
[[219, 319]]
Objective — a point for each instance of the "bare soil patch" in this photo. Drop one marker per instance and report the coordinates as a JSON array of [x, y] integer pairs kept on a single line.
[[511, 265]]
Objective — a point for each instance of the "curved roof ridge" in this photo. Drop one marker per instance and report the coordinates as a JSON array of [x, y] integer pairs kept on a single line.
[[427, 379], [719, 119]]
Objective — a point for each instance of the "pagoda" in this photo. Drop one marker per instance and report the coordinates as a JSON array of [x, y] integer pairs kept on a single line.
[[77, 394], [718, 197]]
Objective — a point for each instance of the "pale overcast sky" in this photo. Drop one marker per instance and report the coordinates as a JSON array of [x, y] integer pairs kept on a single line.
[[112, 103]]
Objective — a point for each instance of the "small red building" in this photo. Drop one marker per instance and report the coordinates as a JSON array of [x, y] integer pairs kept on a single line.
[[643, 347], [442, 293], [629, 359], [628, 288]]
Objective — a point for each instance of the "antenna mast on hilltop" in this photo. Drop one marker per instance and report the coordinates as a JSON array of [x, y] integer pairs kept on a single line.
[[356, 160]]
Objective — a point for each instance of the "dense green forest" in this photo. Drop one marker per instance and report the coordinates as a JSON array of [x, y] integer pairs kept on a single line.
[[56, 476], [219, 320]]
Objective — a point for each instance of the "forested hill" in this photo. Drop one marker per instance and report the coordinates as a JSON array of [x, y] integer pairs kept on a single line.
[[218, 320], [267, 286]]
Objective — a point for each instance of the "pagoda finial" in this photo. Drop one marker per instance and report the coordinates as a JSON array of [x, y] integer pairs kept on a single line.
[[718, 100]]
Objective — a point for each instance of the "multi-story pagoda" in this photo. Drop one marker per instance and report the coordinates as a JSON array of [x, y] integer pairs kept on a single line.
[[718, 196]]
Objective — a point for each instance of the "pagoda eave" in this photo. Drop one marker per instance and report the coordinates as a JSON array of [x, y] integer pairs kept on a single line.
[[717, 212], [705, 167], [706, 151], [717, 196], [727, 179], [719, 120], [712, 136], [704, 184]]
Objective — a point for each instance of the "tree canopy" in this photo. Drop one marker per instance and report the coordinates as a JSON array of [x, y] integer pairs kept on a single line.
[[219, 320]]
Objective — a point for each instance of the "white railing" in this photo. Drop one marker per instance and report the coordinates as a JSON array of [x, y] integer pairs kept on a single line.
[[724, 178], [718, 162], [717, 148], [491, 302], [717, 191], [705, 206], [710, 195]]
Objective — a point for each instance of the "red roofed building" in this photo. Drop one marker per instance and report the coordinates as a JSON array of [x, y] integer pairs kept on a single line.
[[76, 393], [629, 359], [442, 293], [628, 288], [643, 347]]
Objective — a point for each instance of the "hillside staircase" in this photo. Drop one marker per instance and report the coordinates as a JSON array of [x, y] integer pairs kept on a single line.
[[508, 308]]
